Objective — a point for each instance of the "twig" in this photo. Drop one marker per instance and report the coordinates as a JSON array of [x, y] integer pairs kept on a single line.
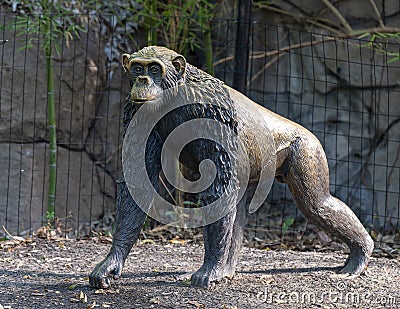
[[339, 16], [169, 192], [299, 18], [316, 42], [378, 14], [393, 168], [388, 252], [295, 46], [375, 30], [15, 238], [278, 51], [266, 66]]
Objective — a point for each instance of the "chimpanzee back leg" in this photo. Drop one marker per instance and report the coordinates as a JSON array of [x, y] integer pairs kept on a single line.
[[217, 241], [217, 235], [237, 233], [226, 238], [311, 193]]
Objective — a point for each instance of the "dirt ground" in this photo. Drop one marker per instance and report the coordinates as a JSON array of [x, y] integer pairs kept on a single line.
[[53, 274]]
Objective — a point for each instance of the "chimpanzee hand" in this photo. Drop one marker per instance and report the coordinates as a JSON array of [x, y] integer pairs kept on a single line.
[[111, 266]]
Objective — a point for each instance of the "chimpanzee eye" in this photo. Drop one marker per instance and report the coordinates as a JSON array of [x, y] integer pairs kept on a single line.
[[137, 68], [154, 69]]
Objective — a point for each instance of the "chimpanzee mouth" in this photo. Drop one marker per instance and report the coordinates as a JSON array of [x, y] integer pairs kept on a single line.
[[142, 101]]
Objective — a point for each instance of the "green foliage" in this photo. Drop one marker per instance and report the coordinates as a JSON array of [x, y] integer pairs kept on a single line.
[[288, 223], [182, 25], [178, 23], [48, 22], [192, 204], [380, 42], [50, 216]]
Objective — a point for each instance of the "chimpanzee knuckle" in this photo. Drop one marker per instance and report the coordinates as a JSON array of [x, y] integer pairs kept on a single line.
[[95, 282], [196, 281], [98, 283], [205, 282], [92, 281], [200, 279]]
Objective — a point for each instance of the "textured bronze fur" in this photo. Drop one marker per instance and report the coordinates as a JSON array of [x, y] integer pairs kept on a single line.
[[301, 164]]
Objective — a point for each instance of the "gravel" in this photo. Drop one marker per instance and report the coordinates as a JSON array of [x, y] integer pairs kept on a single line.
[[53, 274]]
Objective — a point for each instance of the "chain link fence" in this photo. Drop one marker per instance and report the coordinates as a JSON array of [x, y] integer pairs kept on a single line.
[[346, 91]]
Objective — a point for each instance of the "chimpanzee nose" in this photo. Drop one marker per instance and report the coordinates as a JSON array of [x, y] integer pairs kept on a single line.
[[143, 80]]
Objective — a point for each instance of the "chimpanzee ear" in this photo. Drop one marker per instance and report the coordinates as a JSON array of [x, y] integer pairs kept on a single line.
[[179, 63], [125, 62]]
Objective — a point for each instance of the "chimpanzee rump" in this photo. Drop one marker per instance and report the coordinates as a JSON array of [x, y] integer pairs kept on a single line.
[[300, 163]]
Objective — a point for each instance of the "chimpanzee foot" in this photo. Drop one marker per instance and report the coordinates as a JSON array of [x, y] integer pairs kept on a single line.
[[355, 264], [110, 267], [206, 275]]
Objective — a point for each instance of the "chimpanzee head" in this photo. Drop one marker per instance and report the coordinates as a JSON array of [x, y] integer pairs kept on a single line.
[[152, 70]]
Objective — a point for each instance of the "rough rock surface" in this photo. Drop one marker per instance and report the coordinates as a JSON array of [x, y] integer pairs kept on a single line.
[[88, 127]]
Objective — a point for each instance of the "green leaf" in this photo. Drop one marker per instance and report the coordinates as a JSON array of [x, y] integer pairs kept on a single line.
[[363, 35], [288, 222], [394, 59], [72, 286]]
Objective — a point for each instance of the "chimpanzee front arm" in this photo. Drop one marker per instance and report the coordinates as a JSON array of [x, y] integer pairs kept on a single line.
[[129, 222]]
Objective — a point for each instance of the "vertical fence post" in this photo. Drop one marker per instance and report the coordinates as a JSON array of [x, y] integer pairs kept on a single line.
[[242, 45]]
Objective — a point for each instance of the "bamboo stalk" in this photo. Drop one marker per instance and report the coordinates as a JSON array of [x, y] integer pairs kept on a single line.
[[51, 118], [208, 51]]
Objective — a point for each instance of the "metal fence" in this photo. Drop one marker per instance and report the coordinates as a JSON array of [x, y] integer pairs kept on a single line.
[[345, 91]]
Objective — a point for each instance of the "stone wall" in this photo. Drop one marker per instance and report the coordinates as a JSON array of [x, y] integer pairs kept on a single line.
[[345, 93], [88, 106]]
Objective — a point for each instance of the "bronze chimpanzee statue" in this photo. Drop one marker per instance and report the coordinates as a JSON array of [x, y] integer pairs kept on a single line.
[[300, 163]]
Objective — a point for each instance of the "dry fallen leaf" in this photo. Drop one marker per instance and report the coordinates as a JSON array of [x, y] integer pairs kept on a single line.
[[90, 306], [196, 304], [155, 300], [83, 297], [147, 241], [72, 286], [100, 291], [108, 291], [177, 241]]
